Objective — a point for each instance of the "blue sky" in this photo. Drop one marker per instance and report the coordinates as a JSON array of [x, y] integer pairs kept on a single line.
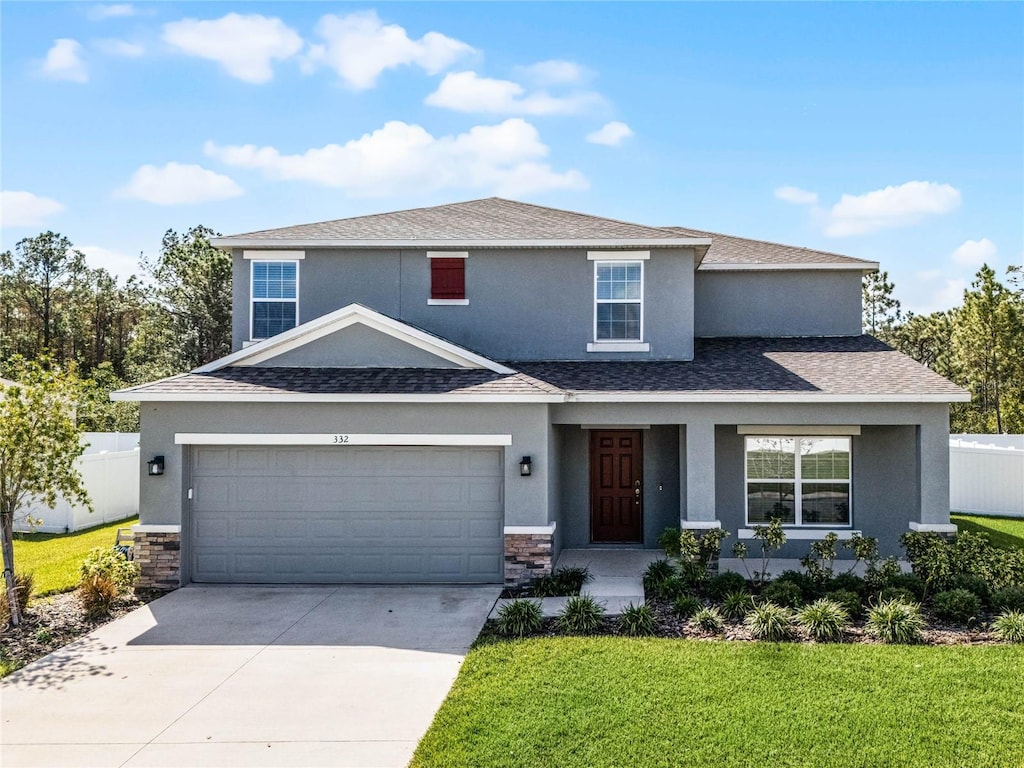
[[892, 132]]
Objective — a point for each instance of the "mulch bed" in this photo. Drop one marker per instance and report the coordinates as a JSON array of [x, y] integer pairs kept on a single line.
[[53, 622], [668, 625]]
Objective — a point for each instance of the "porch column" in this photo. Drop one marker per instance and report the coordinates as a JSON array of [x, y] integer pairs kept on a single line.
[[698, 470], [933, 473]]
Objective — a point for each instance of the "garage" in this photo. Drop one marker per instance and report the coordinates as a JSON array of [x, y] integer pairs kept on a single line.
[[346, 514]]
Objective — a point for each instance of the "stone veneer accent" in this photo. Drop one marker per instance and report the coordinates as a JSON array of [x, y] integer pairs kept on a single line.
[[527, 556], [157, 550]]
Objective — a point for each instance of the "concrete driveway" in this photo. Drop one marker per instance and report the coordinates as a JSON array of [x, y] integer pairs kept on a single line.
[[247, 676]]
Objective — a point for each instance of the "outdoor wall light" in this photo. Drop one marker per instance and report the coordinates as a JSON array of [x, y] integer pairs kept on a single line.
[[156, 465], [526, 466]]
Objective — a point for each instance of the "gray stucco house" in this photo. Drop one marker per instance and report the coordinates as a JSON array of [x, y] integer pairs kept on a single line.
[[456, 393]]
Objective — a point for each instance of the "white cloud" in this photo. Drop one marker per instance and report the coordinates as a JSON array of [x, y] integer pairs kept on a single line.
[[64, 61], [113, 11], [950, 295], [928, 275], [24, 209], [245, 45], [796, 195], [113, 47], [359, 47], [175, 184], [468, 92], [506, 158], [974, 253], [891, 207], [116, 263], [610, 134], [554, 72]]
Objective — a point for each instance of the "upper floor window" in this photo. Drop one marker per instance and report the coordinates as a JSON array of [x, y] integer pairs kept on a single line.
[[618, 297], [447, 277], [801, 480], [275, 297]]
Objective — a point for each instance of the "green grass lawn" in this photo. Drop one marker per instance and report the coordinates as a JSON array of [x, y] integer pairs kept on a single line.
[[620, 702], [1006, 532], [54, 558]]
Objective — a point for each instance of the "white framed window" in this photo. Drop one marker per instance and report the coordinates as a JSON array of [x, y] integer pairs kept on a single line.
[[275, 297], [618, 301], [804, 481]]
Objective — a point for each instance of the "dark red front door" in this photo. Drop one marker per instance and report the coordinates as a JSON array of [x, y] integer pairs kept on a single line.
[[616, 486]]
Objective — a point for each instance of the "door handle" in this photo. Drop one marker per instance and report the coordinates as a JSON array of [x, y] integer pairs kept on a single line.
[[637, 491]]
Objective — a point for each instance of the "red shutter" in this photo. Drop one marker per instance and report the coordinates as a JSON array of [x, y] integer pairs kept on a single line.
[[447, 278]]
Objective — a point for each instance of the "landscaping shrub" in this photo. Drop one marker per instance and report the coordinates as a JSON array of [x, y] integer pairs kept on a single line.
[[725, 583], [1008, 599], [908, 581], [896, 593], [23, 584], [669, 541], [956, 605], [736, 605], [520, 618], [975, 585], [581, 616], [880, 573], [692, 573], [105, 574], [636, 620], [672, 588], [545, 586], [685, 606], [896, 621], [849, 600], [810, 588], [938, 561], [657, 574], [783, 593], [847, 582], [825, 620], [770, 621], [708, 620], [1009, 626], [571, 580]]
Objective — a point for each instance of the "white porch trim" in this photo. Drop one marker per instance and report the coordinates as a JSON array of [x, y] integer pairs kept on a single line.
[[796, 429], [803, 534], [156, 529], [933, 527], [339, 439], [700, 525], [527, 530]]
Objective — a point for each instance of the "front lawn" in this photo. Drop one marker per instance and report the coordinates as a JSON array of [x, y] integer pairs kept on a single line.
[[1006, 532], [54, 558], [621, 702]]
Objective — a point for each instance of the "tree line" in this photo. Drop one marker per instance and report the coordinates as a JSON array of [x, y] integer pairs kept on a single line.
[[176, 316], [172, 317], [978, 345]]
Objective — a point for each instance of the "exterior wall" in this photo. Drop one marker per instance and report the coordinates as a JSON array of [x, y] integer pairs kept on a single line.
[[661, 483], [781, 303], [163, 499], [523, 304]]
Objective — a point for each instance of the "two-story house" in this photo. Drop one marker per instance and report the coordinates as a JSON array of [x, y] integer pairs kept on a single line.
[[456, 393]]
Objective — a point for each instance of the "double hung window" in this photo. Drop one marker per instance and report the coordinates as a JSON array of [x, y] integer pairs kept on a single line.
[[275, 297], [618, 297], [804, 481]]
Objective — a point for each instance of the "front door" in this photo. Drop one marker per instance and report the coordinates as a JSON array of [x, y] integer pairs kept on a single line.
[[616, 486]]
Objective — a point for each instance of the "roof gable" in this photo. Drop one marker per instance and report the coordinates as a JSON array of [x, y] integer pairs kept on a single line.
[[297, 347]]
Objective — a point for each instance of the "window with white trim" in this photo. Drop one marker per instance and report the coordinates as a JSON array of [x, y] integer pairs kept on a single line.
[[618, 300], [804, 481], [275, 297]]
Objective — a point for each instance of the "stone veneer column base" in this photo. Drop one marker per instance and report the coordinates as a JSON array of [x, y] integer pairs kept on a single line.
[[528, 553], [157, 550]]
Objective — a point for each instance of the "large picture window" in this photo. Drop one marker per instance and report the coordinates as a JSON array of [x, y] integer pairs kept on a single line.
[[275, 297], [801, 480], [619, 294]]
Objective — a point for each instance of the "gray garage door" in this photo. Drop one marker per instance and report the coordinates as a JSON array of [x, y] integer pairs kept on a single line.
[[285, 515]]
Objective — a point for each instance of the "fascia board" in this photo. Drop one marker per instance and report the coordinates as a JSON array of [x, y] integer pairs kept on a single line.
[[697, 397], [670, 242], [867, 266], [127, 395]]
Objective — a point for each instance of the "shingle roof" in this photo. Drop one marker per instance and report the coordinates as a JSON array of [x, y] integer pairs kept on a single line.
[[493, 218], [849, 365], [255, 380], [855, 366], [729, 249]]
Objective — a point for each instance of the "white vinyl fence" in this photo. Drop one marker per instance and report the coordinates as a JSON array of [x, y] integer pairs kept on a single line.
[[986, 474], [110, 473]]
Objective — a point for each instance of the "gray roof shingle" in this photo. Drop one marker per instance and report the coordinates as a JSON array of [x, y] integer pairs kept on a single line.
[[493, 218], [729, 249], [849, 366]]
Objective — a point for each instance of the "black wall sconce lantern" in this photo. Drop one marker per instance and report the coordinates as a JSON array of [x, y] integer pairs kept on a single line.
[[156, 465], [526, 466]]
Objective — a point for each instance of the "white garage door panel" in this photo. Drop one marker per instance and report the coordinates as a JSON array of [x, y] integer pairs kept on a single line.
[[270, 514]]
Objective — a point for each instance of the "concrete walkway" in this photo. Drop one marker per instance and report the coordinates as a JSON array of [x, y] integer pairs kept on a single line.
[[617, 578], [247, 676]]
